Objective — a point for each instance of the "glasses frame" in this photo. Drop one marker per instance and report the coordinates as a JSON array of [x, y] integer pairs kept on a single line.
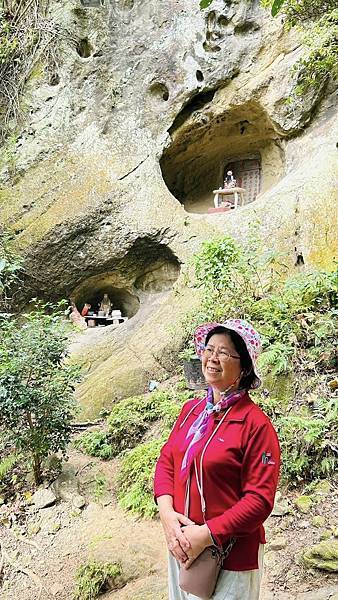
[[209, 351]]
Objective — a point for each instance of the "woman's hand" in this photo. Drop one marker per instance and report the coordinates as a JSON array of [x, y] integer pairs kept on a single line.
[[199, 538], [177, 542]]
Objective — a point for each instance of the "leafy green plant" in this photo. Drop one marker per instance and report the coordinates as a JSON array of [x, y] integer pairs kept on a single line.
[[36, 384], [132, 417], [100, 486], [11, 268], [95, 443], [95, 578], [306, 444], [7, 464], [297, 319], [135, 477], [317, 21]]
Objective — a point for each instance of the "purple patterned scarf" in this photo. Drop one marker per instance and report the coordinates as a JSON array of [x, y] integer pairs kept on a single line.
[[203, 425]]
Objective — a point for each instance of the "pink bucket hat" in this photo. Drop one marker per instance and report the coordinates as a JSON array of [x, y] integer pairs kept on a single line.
[[249, 335]]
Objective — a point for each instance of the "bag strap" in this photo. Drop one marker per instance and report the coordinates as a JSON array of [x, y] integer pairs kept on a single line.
[[223, 553], [200, 482]]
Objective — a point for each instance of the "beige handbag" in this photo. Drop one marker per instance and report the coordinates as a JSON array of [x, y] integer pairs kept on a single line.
[[201, 577]]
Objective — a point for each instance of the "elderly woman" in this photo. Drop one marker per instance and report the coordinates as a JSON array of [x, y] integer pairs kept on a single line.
[[216, 477]]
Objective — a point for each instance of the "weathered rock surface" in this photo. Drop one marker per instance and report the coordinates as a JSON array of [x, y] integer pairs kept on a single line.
[[66, 486], [111, 173], [43, 498], [281, 506], [322, 556]]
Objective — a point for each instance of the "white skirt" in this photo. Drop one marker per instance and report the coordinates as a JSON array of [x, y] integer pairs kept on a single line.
[[231, 585]]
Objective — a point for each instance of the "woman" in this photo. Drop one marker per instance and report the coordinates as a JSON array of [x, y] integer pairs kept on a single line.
[[240, 464]]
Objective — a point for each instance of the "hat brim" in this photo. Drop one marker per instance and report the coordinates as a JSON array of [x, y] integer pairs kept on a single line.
[[201, 333]]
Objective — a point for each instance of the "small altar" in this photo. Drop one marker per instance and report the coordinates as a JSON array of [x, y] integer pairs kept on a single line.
[[223, 195]]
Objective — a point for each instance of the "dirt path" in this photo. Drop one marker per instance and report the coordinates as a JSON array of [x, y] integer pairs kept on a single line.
[[45, 552]]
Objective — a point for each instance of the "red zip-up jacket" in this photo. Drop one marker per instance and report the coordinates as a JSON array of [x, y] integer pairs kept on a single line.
[[240, 475]]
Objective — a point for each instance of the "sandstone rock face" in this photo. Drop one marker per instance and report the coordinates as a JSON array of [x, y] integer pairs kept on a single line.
[[112, 171]]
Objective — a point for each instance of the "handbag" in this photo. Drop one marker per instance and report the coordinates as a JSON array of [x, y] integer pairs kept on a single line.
[[201, 577]]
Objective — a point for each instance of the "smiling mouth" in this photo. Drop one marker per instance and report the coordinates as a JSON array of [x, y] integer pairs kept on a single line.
[[213, 370]]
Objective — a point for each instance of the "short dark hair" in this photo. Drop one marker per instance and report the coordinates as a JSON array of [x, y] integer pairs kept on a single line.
[[248, 376]]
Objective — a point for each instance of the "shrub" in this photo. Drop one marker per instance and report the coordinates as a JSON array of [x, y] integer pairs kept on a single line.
[[95, 443], [297, 319], [94, 578], [11, 266], [135, 478], [132, 417], [36, 384]]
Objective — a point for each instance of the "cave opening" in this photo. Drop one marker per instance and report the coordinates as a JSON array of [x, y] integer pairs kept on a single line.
[[121, 299], [84, 48], [149, 267], [205, 145]]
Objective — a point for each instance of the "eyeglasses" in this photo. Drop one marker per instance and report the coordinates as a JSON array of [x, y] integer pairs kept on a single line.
[[223, 355]]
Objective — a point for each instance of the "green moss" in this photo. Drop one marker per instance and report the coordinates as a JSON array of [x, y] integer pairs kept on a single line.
[[322, 556], [94, 578], [131, 418], [135, 478], [318, 521], [36, 73], [304, 503]]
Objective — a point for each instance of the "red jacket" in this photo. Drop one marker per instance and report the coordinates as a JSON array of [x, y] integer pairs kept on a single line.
[[240, 475]]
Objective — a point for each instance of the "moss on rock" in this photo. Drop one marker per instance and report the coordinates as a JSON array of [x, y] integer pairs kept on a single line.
[[322, 556]]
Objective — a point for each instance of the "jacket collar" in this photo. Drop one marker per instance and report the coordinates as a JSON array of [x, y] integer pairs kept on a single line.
[[238, 411]]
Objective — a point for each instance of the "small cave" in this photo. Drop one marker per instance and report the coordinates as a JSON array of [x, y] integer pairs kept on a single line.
[[206, 146], [84, 48], [246, 27], [92, 292], [55, 79], [199, 76], [149, 267], [159, 90]]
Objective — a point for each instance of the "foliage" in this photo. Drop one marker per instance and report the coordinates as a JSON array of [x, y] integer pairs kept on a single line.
[[205, 3], [7, 464], [135, 478], [10, 270], [95, 443], [320, 61], [131, 418], [100, 486], [36, 383], [28, 36], [307, 434], [94, 578], [318, 23], [297, 319], [298, 11]]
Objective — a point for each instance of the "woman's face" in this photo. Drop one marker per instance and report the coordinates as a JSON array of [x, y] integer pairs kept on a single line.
[[220, 371]]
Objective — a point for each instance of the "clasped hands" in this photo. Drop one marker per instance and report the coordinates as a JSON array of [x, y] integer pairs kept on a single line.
[[185, 543]]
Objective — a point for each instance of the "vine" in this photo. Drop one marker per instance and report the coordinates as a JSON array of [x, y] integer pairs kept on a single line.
[[27, 38]]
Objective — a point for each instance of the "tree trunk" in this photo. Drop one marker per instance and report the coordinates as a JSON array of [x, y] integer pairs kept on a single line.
[[37, 469]]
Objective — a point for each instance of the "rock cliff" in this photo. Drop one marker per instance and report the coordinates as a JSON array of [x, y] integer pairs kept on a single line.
[[108, 179]]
